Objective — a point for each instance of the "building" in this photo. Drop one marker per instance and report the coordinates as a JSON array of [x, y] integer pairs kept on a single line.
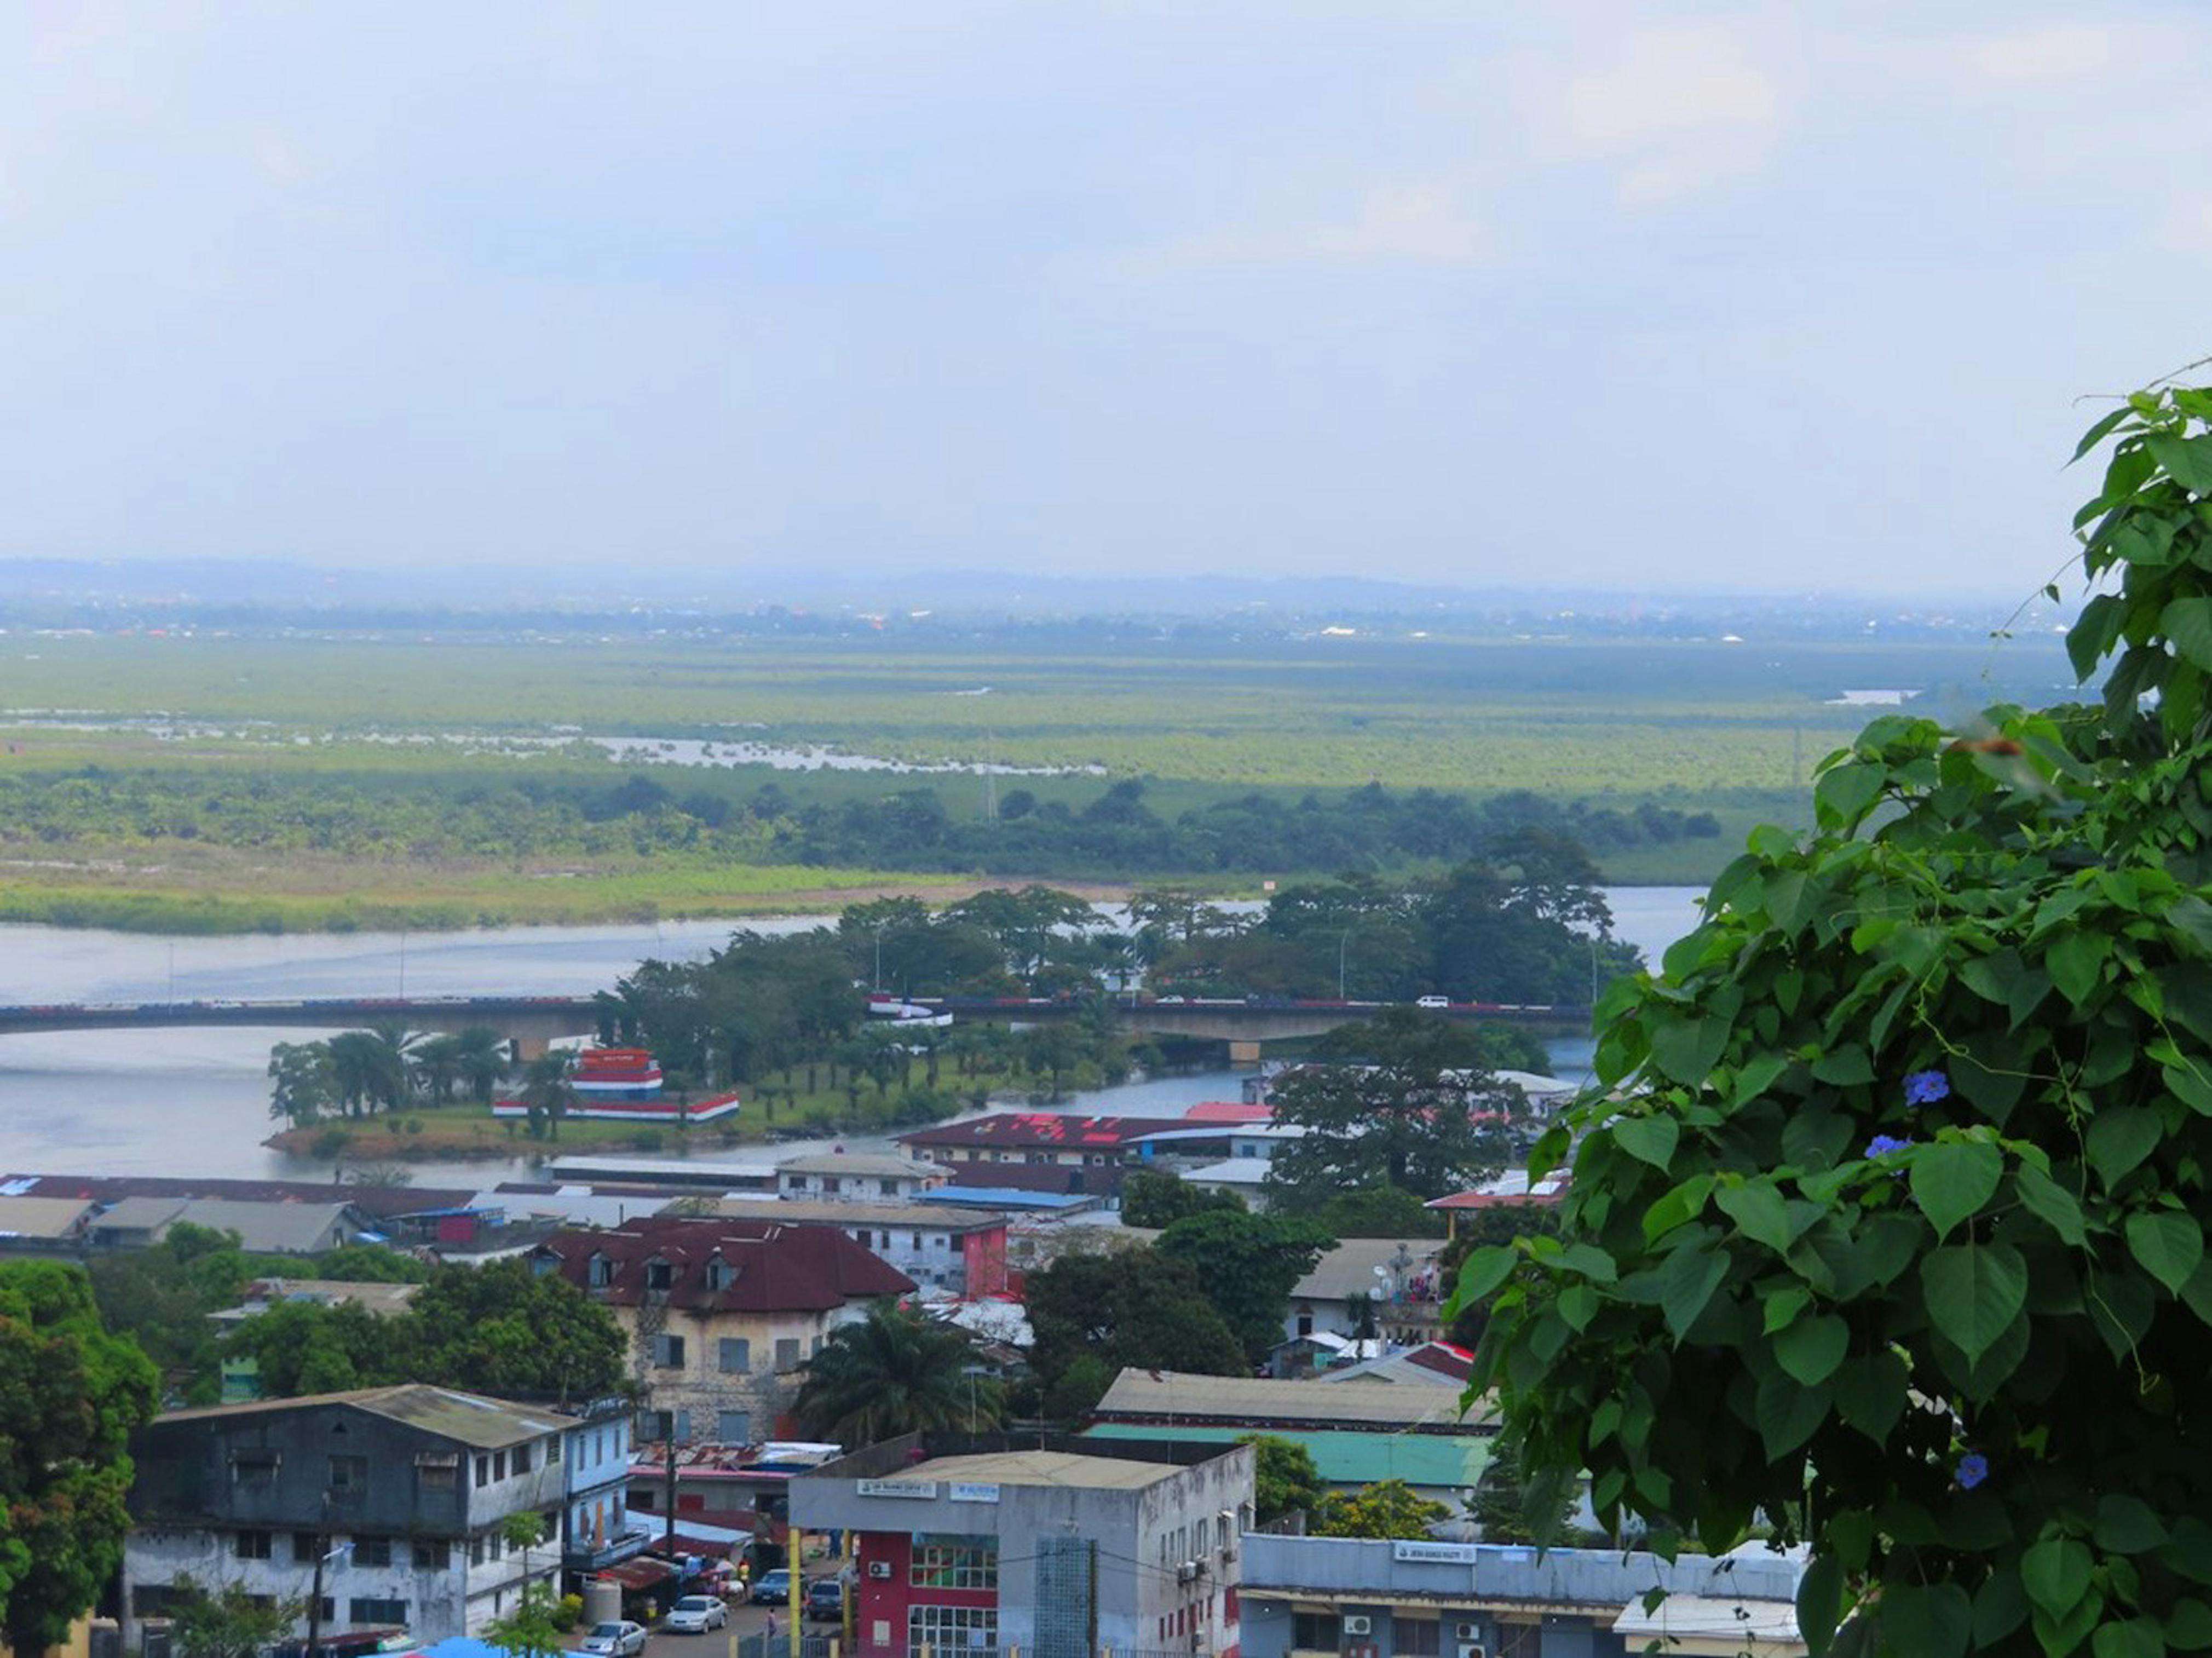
[[857, 1177], [1101, 1148], [1370, 1286], [940, 1246], [1059, 1547], [263, 1226], [403, 1492], [598, 1530], [722, 1313], [44, 1226], [1422, 1599], [241, 1376], [1357, 1434]]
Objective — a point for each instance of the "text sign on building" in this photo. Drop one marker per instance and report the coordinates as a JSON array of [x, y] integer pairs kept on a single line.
[[1441, 1554], [973, 1493], [895, 1487]]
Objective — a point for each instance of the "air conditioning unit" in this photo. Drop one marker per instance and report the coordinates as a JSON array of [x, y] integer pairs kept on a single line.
[[1358, 1626], [880, 1570], [1469, 1632], [1187, 1572]]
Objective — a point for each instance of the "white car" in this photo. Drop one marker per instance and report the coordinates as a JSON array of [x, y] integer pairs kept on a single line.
[[617, 1640], [1432, 1002], [694, 1614]]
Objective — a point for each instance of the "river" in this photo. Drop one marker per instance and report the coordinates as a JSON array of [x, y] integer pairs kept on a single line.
[[195, 1101]]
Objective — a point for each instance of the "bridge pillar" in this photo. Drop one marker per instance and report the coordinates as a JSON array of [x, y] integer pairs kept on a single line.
[[1243, 1054]]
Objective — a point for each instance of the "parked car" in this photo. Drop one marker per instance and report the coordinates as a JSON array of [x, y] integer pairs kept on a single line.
[[694, 1614], [617, 1640], [1432, 1001], [772, 1588], [826, 1598]]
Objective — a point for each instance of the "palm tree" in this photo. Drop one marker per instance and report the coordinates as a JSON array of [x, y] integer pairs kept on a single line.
[[895, 1372], [549, 1091], [481, 1054], [366, 1071], [438, 1067]]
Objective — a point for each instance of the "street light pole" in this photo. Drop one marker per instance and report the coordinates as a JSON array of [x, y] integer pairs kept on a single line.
[[1343, 938]]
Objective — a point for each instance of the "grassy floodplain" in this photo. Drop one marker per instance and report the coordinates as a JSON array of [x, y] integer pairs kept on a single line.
[[207, 782]]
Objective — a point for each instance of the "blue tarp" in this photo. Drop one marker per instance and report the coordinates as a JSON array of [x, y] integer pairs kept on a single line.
[[463, 1646]]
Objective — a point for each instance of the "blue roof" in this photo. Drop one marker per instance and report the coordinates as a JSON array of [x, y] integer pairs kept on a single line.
[[992, 1196]]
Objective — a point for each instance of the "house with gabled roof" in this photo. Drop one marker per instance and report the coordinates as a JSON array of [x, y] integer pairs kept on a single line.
[[722, 1313]]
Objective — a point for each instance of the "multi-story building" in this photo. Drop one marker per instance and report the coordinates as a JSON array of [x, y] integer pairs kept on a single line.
[[939, 1245], [1061, 1548], [598, 1530], [1102, 1149], [402, 1493], [721, 1314], [1327, 1597], [857, 1177]]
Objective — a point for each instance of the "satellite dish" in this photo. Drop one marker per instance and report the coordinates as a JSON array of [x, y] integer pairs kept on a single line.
[[1382, 1272]]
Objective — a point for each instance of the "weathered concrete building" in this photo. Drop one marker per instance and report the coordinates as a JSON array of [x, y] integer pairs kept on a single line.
[[401, 1491], [1062, 1548]]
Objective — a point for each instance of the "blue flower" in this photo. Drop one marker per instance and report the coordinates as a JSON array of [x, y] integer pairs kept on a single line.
[[1973, 1468], [1926, 1087], [1882, 1144]]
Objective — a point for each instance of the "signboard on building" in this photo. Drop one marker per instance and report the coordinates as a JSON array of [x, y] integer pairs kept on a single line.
[[923, 1488], [1436, 1554], [971, 1492]]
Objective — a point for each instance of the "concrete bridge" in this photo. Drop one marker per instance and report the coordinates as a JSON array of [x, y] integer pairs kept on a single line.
[[1254, 1020], [532, 1021]]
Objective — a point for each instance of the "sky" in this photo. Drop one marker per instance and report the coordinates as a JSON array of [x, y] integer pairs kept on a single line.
[[1664, 297]]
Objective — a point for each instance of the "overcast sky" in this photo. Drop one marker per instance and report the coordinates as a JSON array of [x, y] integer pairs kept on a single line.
[[1768, 295]]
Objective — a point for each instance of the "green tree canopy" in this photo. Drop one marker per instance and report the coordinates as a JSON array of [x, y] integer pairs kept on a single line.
[[229, 1620], [1129, 1307], [1405, 1100], [1390, 1508], [1158, 1199], [501, 1329], [71, 1394], [897, 1372], [1888, 1225], [1284, 1477], [1247, 1266]]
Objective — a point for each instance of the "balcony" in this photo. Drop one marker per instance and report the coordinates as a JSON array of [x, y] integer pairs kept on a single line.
[[585, 1556]]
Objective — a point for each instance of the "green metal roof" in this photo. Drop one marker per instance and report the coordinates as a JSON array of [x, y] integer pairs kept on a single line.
[[1437, 1460]]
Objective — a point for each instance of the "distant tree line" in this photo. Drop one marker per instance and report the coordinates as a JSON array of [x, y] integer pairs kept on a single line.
[[575, 810]]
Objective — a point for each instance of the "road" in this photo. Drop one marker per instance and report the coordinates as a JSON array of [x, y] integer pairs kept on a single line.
[[745, 1623]]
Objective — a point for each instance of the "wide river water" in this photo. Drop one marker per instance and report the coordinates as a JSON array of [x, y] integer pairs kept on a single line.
[[195, 1101]]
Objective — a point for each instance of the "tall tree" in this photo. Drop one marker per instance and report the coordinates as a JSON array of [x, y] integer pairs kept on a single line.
[[229, 1620], [548, 1091], [1248, 1266], [1406, 1100], [482, 1058], [302, 1082], [895, 1372], [1132, 1307], [1284, 1477], [1386, 1508], [71, 1394], [504, 1330], [1158, 1199]]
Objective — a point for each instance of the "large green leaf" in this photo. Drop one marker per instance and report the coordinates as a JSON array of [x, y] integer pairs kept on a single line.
[[1757, 1208], [1811, 1348], [1820, 1602], [2127, 1525], [2169, 1245], [2139, 1637], [1482, 1272], [2188, 623], [1845, 791], [1974, 1291], [1953, 1179], [2050, 1203], [1870, 1393], [2056, 1575], [1929, 1622], [2120, 1137], [1686, 1047], [1650, 1138], [1688, 1278], [2076, 962], [2188, 461]]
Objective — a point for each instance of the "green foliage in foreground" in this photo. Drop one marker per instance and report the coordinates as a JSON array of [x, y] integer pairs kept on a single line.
[[69, 1395], [1897, 1239]]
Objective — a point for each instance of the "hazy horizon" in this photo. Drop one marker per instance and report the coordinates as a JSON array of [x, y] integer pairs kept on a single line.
[[1653, 298]]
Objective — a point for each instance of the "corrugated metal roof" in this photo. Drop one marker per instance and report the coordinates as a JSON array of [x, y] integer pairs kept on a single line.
[[1170, 1396], [1436, 1461], [471, 1418]]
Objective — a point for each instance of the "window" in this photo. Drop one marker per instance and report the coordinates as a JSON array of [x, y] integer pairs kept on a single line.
[[349, 1475], [659, 1274], [883, 1239], [786, 1352], [890, 1187], [1417, 1637], [522, 1459], [954, 1562], [326, 1611], [733, 1427], [476, 1550], [1315, 1631], [154, 1599], [252, 1544], [372, 1550], [436, 1471], [718, 1275], [829, 1183], [668, 1352], [359, 1611], [498, 1466], [552, 1450], [306, 1545], [600, 1273], [734, 1356], [432, 1554], [949, 1628], [917, 1240], [254, 1467], [483, 1472], [816, 1351]]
